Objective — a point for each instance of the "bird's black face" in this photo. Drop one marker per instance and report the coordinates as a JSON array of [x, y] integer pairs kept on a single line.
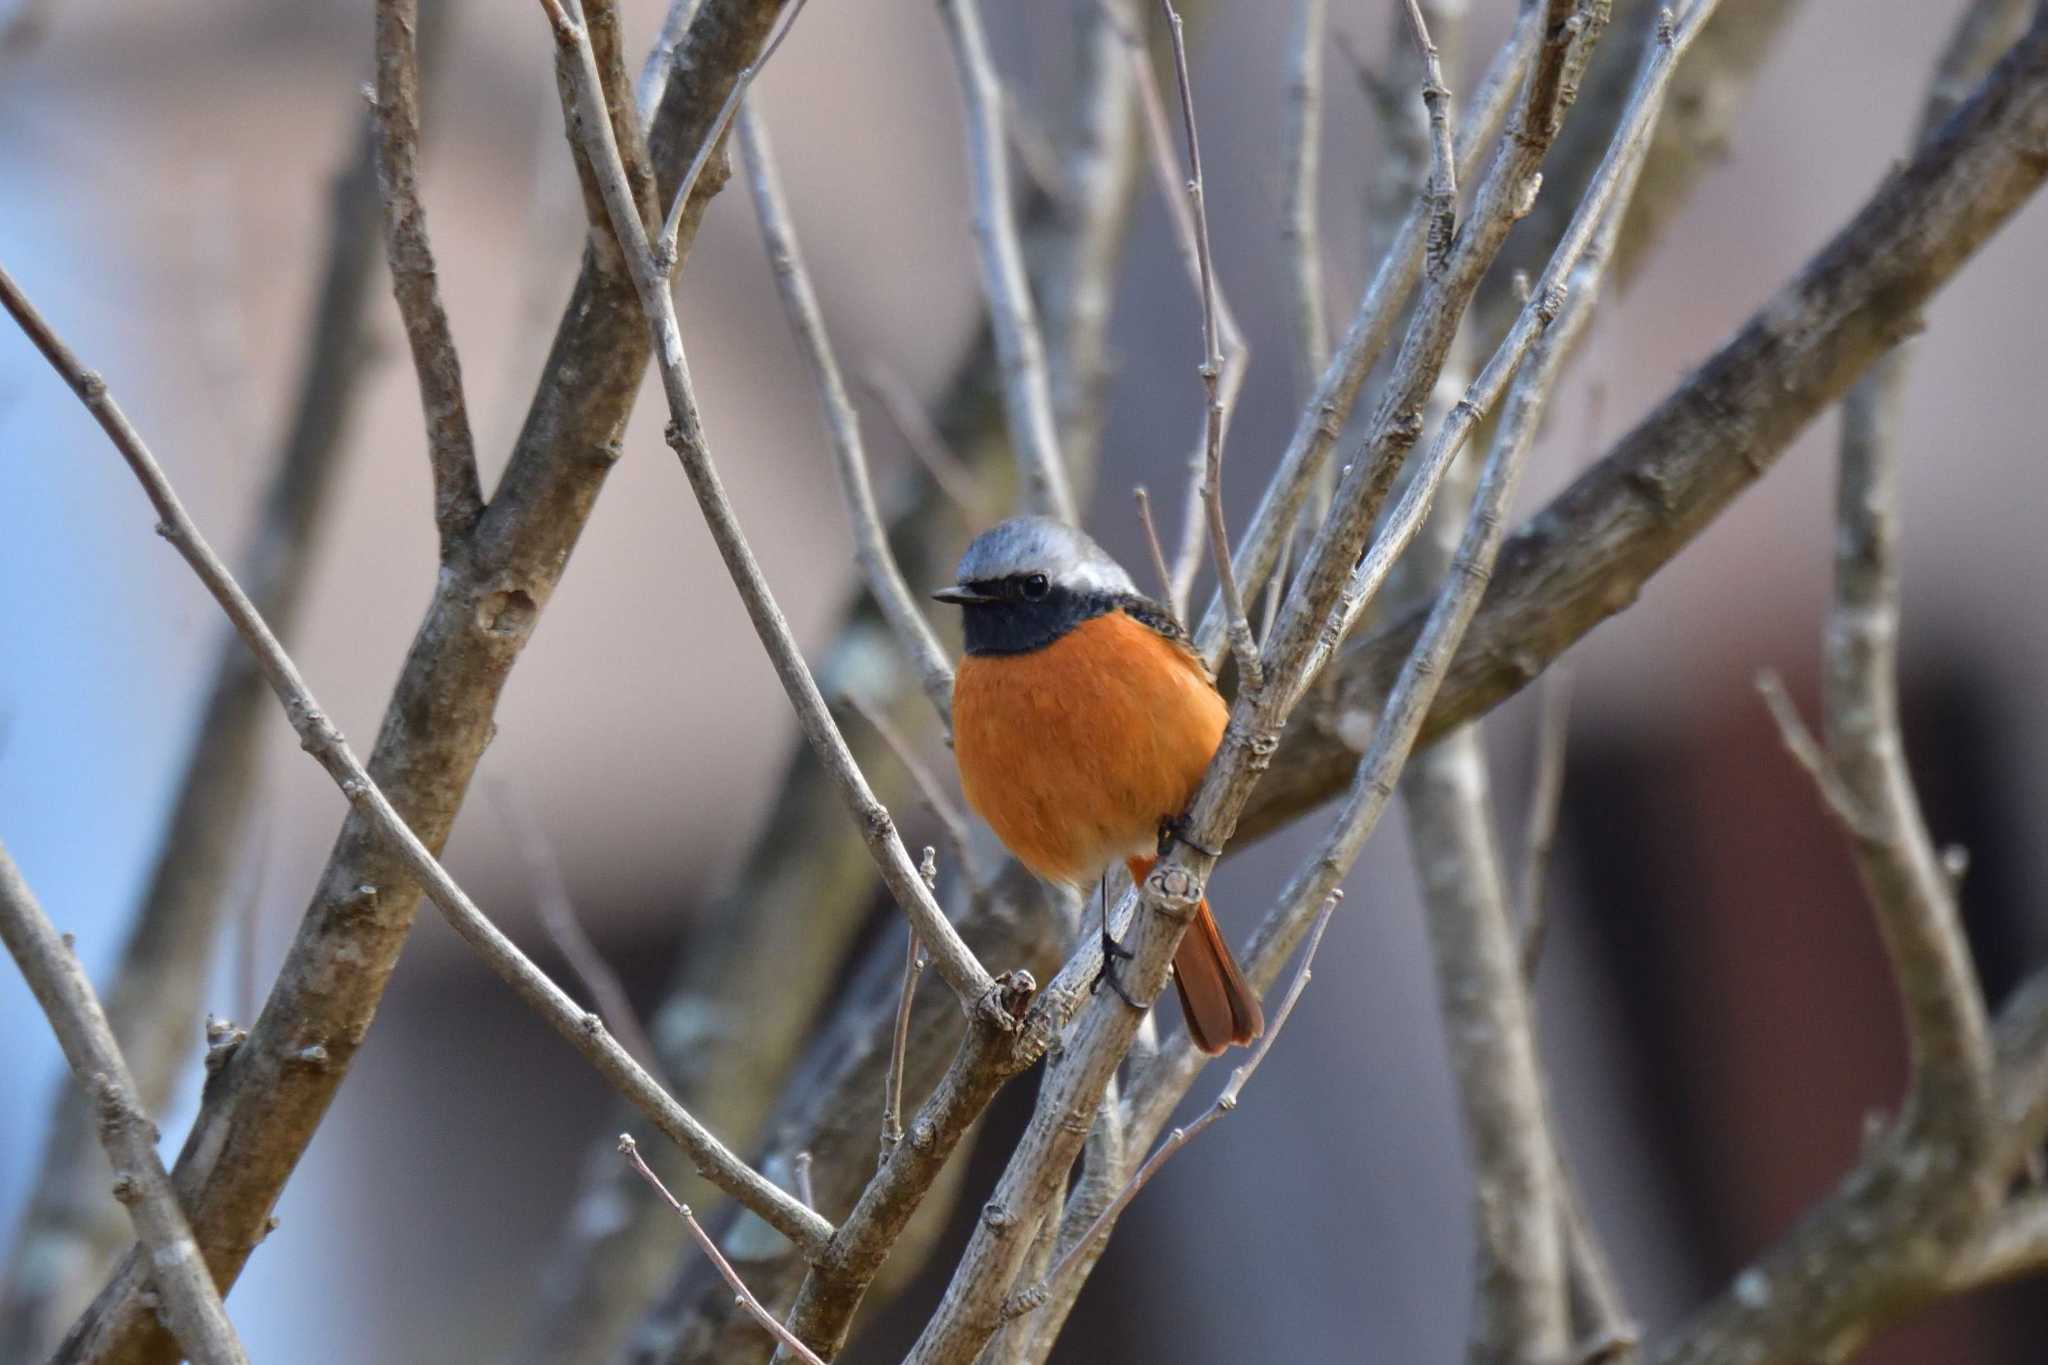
[[1020, 612]]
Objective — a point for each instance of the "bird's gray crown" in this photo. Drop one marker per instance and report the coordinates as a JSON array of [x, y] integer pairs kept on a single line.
[[1028, 545]]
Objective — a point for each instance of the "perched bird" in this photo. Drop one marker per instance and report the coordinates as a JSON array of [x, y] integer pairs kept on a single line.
[[1082, 723]]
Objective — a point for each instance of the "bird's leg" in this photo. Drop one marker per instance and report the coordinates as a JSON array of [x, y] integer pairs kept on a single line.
[[1112, 951], [1174, 830]]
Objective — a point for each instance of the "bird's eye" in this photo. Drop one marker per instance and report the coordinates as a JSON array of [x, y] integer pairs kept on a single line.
[[1036, 587]]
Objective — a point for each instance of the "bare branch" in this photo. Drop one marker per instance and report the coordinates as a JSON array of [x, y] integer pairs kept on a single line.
[[1216, 415], [1074, 245], [1546, 796], [800, 303], [2015, 1245], [1400, 720], [1225, 1102], [69, 1235], [930, 792], [557, 912], [1585, 556], [1300, 236], [949, 472], [1597, 1306], [1365, 339], [971, 983], [800, 1173], [1219, 324], [1153, 549], [970, 1311], [451, 449], [1912, 893], [255, 1122], [665, 243], [320, 739], [1520, 1305], [1442, 194], [1799, 741], [631, 1151], [191, 1303], [988, 1057], [1027, 392], [774, 972], [899, 1041]]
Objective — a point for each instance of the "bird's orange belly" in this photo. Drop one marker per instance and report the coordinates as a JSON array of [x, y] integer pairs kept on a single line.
[[1075, 753]]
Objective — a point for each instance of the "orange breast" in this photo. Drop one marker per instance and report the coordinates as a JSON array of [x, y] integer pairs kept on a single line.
[[1074, 753]]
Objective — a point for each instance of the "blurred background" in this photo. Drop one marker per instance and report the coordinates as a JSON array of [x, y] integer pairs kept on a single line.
[[1714, 1007]]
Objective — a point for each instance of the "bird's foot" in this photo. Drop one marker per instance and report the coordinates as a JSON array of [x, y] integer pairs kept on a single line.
[[1113, 953], [1174, 830]]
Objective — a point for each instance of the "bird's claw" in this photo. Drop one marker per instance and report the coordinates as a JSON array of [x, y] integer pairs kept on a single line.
[[1174, 830], [1112, 953]]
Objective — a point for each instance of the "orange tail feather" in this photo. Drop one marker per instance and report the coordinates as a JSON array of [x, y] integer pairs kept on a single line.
[[1219, 1004]]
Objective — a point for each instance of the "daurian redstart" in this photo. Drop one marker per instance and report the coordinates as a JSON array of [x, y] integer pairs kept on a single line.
[[1082, 723]]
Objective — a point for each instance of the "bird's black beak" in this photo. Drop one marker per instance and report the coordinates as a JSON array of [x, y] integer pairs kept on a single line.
[[961, 596]]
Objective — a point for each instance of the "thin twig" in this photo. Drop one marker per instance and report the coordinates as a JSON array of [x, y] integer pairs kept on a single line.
[[1075, 243], [191, 1302], [1250, 675], [1799, 741], [930, 792], [1225, 1102], [671, 225], [1546, 794], [971, 1310], [1365, 339], [1442, 194], [2015, 1244], [324, 742], [899, 1042], [557, 913], [1300, 236], [1220, 333], [451, 448], [1504, 191], [1153, 549], [1587, 554], [1400, 718], [800, 305], [989, 1055], [1027, 388], [631, 1151], [800, 1175], [1914, 897], [972, 986], [476, 624], [906, 413]]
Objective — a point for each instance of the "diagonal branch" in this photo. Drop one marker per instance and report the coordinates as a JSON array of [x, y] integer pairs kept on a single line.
[[971, 983], [1088, 1244], [1218, 321], [319, 737], [1913, 895], [1324, 416], [191, 1303], [1216, 410], [451, 449], [1027, 389], [1586, 555], [261, 1111], [800, 302], [68, 1237], [630, 1149]]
